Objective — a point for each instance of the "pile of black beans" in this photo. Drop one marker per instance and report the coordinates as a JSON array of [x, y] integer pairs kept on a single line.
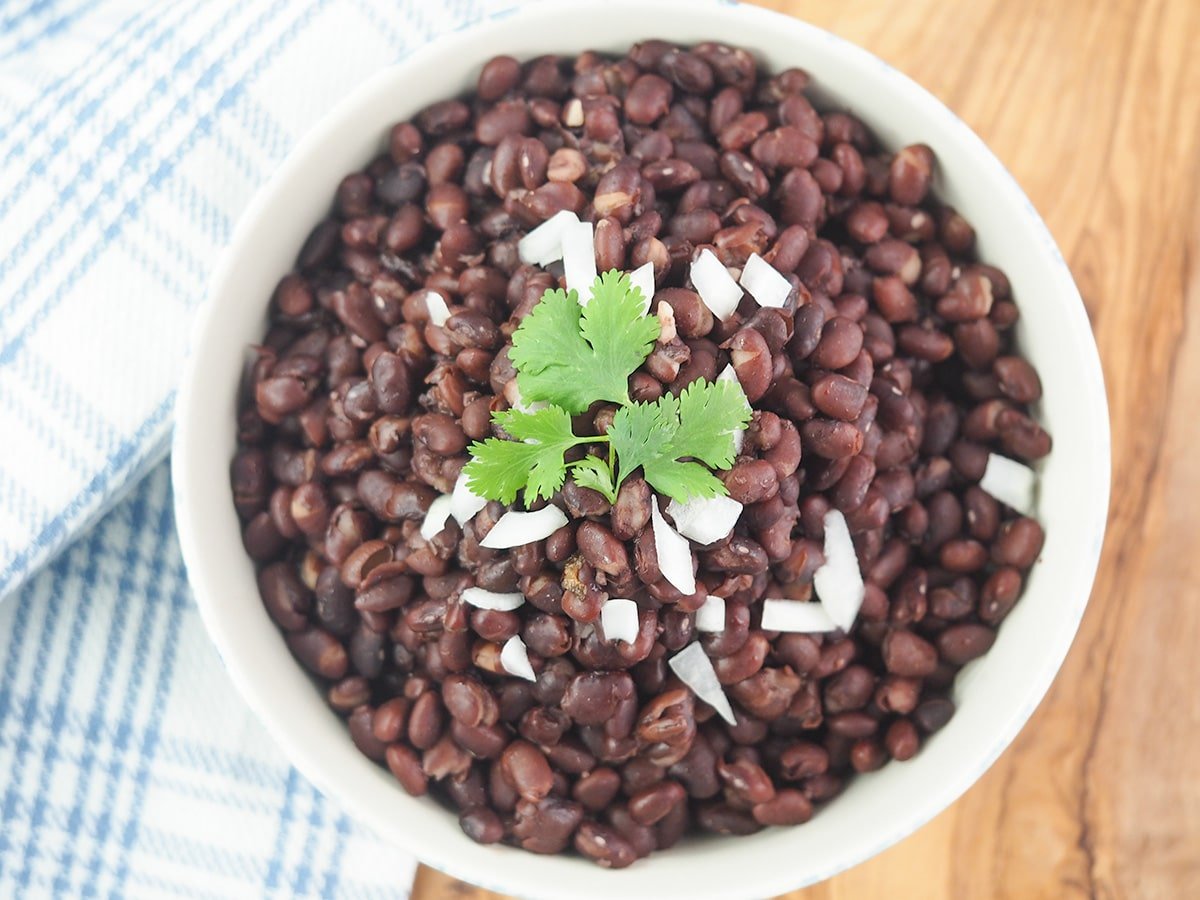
[[879, 390]]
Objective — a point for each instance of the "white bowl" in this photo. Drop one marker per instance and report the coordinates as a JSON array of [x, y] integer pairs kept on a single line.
[[995, 696]]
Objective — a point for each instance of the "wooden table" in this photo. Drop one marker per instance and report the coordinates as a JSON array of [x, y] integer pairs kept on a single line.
[[1094, 105]]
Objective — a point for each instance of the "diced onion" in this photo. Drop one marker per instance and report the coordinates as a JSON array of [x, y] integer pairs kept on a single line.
[[695, 669], [464, 503], [715, 285], [435, 519], [838, 582], [579, 259], [572, 113], [1010, 482], [711, 616], [512, 391], [764, 283], [795, 615], [705, 519], [514, 657], [642, 278], [739, 436], [674, 553], [482, 599], [439, 312], [543, 245], [619, 619], [515, 529]]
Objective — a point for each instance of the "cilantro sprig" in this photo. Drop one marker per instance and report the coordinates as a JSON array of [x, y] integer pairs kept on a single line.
[[570, 356]]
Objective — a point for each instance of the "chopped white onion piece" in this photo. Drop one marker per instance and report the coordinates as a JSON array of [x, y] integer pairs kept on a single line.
[[482, 599], [579, 259], [795, 615], [515, 529], [543, 245], [514, 657], [1010, 482], [642, 278], [619, 619], [695, 669], [838, 582], [705, 519], [572, 113], [439, 312], [674, 553], [711, 616], [464, 503], [764, 283], [512, 392], [739, 436], [435, 519], [715, 285]]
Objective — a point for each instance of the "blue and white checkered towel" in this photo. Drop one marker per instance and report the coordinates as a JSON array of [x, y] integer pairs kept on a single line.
[[131, 136]]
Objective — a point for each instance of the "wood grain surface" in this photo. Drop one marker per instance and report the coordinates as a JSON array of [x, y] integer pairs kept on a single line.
[[1094, 105]]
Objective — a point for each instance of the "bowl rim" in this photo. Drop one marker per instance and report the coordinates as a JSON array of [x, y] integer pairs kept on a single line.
[[188, 488]]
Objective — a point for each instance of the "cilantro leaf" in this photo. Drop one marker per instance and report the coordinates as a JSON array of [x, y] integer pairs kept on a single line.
[[621, 334], [499, 468], [572, 356], [549, 425], [591, 472], [643, 432], [682, 480], [665, 438], [710, 414]]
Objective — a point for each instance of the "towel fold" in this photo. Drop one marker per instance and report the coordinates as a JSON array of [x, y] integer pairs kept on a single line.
[[132, 134]]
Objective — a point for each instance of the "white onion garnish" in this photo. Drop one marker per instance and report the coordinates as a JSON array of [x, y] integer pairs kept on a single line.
[[514, 657], [482, 599], [579, 259], [674, 553], [572, 113], [619, 619], [543, 245], [512, 393], [642, 278], [515, 529], [763, 282], [705, 519], [695, 669], [439, 312], [711, 616], [838, 582], [715, 285], [795, 615], [1010, 482], [739, 436], [464, 503], [435, 519]]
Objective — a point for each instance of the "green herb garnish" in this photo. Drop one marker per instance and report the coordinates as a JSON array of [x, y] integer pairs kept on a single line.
[[570, 357]]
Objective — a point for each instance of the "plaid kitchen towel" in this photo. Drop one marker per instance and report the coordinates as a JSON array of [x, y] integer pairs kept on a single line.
[[131, 136], [129, 767], [132, 133]]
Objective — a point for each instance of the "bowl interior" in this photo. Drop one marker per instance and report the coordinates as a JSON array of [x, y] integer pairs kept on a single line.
[[995, 695]]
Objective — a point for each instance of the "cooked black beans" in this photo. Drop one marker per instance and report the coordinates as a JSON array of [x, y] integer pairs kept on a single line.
[[879, 390]]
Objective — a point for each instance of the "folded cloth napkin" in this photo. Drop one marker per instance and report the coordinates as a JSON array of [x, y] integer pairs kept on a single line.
[[129, 767], [132, 133]]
